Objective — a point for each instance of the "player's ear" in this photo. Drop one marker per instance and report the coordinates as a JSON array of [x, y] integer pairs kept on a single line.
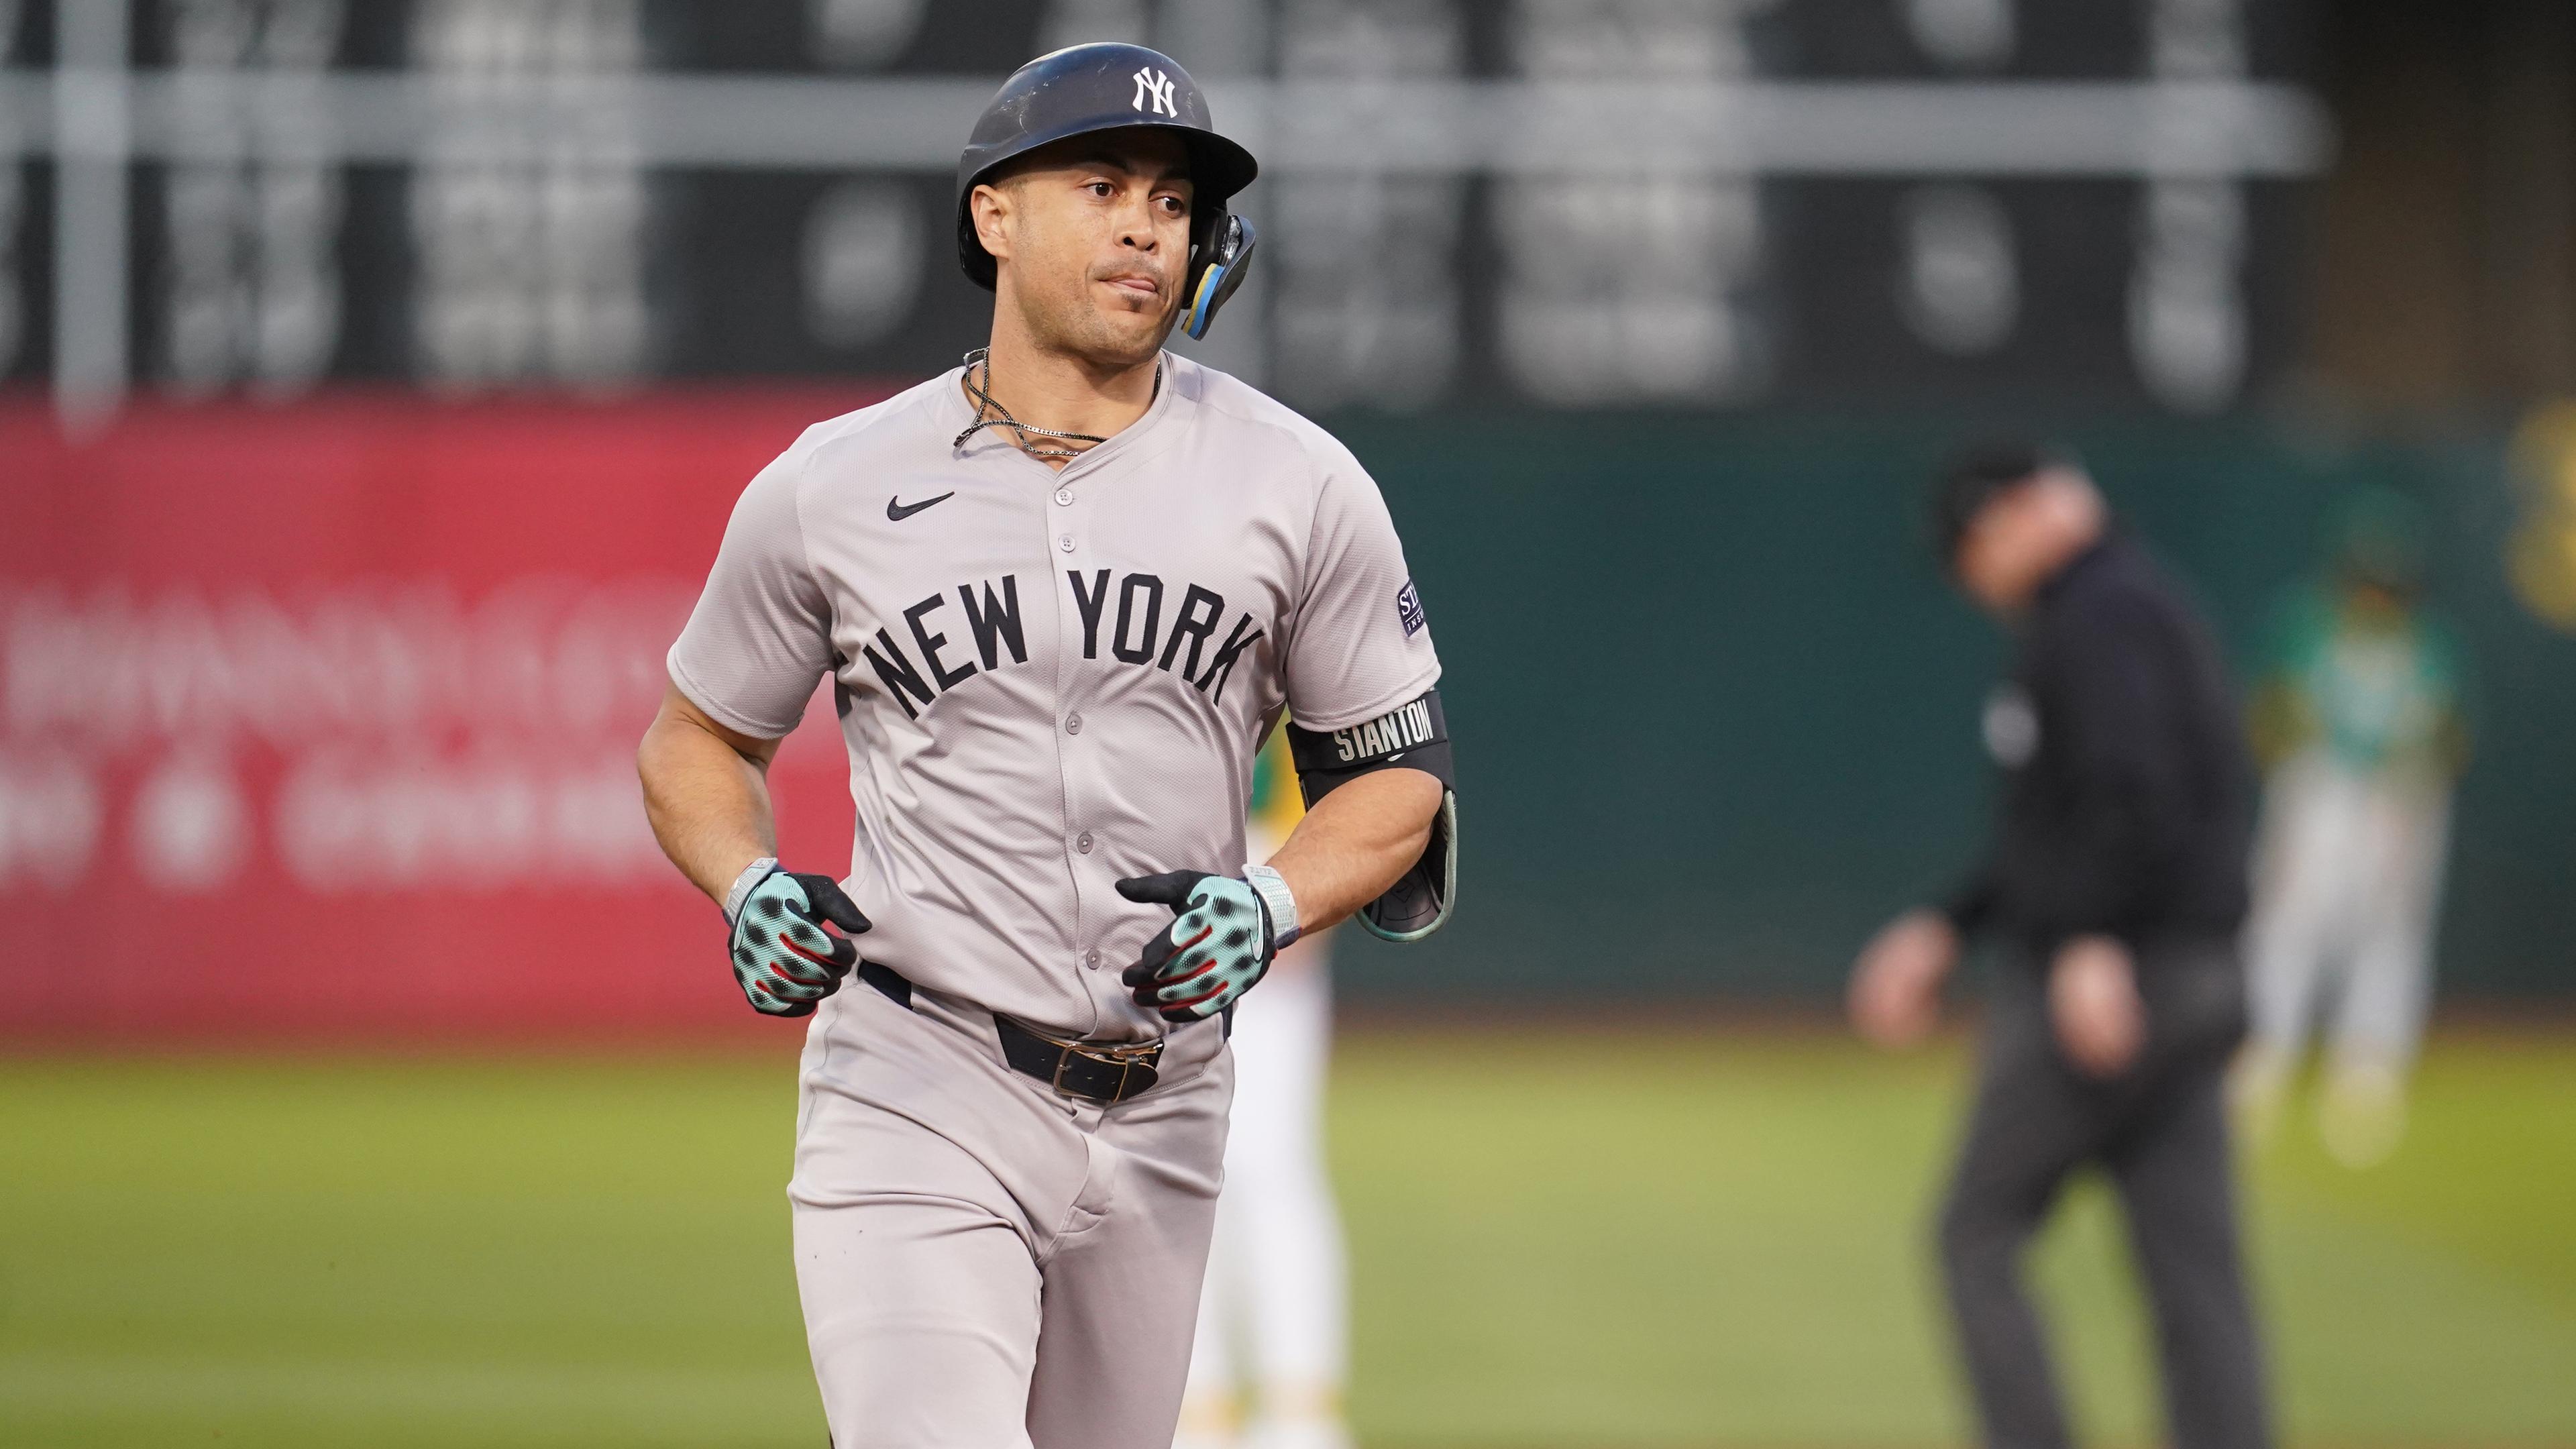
[[994, 209]]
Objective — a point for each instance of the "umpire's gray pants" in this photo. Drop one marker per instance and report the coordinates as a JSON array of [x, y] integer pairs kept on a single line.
[[2160, 1131], [984, 1264]]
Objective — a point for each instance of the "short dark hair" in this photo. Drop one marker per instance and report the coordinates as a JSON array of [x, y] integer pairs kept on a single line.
[[1975, 475]]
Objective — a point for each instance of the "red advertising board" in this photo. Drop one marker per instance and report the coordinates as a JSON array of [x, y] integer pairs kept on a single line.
[[318, 722]]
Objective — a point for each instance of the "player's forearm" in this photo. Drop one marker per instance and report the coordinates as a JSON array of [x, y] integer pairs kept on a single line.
[[1356, 842], [708, 802]]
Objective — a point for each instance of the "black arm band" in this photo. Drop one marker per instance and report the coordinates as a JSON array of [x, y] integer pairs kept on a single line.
[[1411, 736]]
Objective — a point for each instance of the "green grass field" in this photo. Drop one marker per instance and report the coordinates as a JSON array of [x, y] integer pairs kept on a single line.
[[1655, 1240]]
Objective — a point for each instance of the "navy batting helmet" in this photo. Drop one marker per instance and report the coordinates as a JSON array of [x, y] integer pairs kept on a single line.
[[1106, 87]]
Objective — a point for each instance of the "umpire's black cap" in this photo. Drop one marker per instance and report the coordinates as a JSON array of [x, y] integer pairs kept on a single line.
[[1104, 86], [1975, 474]]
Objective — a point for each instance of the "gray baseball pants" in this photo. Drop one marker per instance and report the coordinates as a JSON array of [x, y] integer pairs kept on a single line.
[[2346, 902], [2159, 1131], [985, 1264]]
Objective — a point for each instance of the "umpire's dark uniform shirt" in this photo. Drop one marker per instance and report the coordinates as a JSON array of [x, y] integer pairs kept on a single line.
[[2128, 798], [2126, 811]]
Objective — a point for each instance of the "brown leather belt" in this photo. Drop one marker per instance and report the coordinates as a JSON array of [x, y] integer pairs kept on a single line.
[[1101, 1072]]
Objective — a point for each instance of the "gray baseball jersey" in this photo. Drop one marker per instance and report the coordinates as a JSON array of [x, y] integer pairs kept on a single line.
[[1051, 680]]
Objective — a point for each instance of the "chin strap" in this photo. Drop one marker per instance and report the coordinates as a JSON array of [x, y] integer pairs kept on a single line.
[[989, 413]]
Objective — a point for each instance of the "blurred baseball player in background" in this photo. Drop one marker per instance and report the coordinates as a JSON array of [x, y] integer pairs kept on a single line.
[[1063, 593], [1267, 1370], [2358, 723]]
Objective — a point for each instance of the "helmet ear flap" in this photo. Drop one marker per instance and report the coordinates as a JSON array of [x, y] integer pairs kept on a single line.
[[1218, 265]]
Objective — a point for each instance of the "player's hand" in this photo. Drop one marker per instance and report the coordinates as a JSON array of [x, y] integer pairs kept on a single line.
[[2093, 1003], [1212, 954], [1895, 994], [782, 957]]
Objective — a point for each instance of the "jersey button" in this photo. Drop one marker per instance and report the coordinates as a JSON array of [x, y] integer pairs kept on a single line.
[[1082, 842], [1073, 724], [1064, 495], [1091, 958], [1065, 543]]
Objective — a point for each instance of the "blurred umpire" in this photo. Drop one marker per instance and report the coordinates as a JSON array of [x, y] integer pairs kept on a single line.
[[2116, 887]]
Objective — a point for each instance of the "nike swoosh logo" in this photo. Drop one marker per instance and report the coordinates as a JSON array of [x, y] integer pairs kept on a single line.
[[898, 512]]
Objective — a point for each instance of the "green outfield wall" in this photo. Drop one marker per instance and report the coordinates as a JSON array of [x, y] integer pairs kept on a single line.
[[1717, 714]]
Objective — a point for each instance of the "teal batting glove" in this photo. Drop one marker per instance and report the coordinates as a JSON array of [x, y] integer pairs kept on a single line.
[[1217, 949], [782, 957]]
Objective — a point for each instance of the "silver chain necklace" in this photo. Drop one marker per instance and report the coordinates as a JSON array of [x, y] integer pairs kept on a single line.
[[982, 392]]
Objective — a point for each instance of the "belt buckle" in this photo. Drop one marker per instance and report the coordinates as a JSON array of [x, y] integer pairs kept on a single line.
[[1125, 1058]]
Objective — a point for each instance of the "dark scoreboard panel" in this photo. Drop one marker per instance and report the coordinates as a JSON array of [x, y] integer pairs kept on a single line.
[[1831, 255]]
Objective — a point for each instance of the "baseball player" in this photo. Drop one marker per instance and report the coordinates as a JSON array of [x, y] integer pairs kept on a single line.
[[1062, 592], [2359, 722], [1271, 1318]]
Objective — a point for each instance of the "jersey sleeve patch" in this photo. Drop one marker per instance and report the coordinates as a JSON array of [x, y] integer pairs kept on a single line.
[[1408, 608]]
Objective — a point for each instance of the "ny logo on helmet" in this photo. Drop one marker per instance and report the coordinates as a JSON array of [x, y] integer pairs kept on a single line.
[[1154, 85]]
